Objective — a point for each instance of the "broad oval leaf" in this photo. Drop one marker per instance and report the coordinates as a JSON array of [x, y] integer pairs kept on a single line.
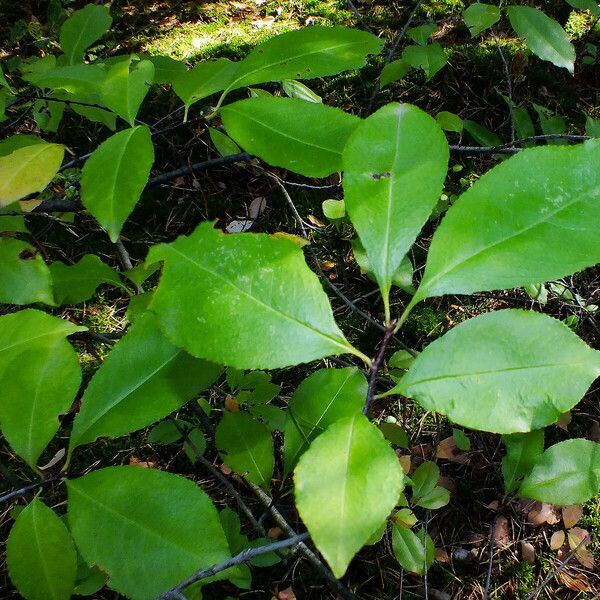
[[430, 58], [566, 473], [391, 190], [522, 452], [24, 276], [82, 29], [323, 398], [310, 143], [143, 379], [40, 554], [115, 175], [244, 300], [119, 513], [543, 35], [126, 86], [492, 373], [531, 218], [479, 17], [305, 54], [410, 551], [39, 378], [346, 484], [75, 79], [246, 446], [28, 169]]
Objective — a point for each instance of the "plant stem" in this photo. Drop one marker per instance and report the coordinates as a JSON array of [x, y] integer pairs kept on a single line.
[[415, 300], [389, 333]]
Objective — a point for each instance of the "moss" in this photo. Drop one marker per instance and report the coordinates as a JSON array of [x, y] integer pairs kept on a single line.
[[426, 321]]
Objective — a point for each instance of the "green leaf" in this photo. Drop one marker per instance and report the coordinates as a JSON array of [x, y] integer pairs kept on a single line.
[[115, 175], [334, 209], [15, 142], [120, 513], [305, 54], [592, 127], [218, 278], [142, 380], [492, 373], [194, 445], [543, 36], [529, 219], [391, 190], [449, 121], [590, 5], [346, 484], [566, 473], [323, 398], [12, 223], [24, 276], [76, 283], [28, 169], [310, 143], [82, 29], [246, 446], [40, 554], [394, 434], [479, 17], [39, 378], [92, 113], [482, 135], [166, 432], [430, 58], [461, 440], [424, 479], [205, 79], [393, 71], [76, 79], [436, 498], [224, 144], [295, 89], [422, 33], [409, 549], [3, 82], [522, 452], [126, 85]]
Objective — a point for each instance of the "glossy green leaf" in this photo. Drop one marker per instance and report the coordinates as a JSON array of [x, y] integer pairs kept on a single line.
[[125, 87], [220, 277], [543, 35], [567, 473], [246, 446], [334, 209], [529, 219], [142, 380], [424, 479], [346, 484], [482, 135], [82, 29], [436, 498], [492, 373], [310, 143], [28, 169], [24, 276], [391, 190], [590, 5], [296, 89], [120, 513], [76, 283], [323, 398], [40, 554], [422, 33], [449, 121], [75, 79], [522, 452], [479, 17], [305, 54], [115, 175], [393, 71], [430, 58], [223, 143], [15, 142], [410, 551], [39, 378]]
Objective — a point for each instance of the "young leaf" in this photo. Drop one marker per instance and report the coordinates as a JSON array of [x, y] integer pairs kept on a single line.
[[24, 276], [40, 554], [295, 89], [391, 190], [126, 86], [422, 33], [323, 398], [76, 283], [482, 135], [522, 452], [409, 549], [529, 219], [39, 378], [566, 473], [82, 29], [310, 143], [424, 479], [252, 289], [479, 17], [393, 71], [449, 121], [246, 446], [346, 484], [119, 513], [491, 372], [305, 54], [223, 143], [28, 169], [142, 380], [543, 36], [75, 79], [430, 58], [115, 175]]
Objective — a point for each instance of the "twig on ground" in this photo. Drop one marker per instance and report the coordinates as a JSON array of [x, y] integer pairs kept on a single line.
[[29, 488], [491, 544]]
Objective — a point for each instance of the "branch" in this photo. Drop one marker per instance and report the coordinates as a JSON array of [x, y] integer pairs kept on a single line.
[[28, 488], [243, 557], [389, 334]]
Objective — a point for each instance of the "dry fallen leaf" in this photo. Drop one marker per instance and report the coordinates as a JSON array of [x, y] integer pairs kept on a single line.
[[544, 513], [441, 555], [577, 536], [528, 552], [571, 515], [231, 404], [136, 462], [575, 581], [405, 463], [327, 265], [274, 533], [448, 450], [257, 207], [315, 221], [564, 420], [557, 540], [225, 469], [502, 532], [287, 594], [448, 483]]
